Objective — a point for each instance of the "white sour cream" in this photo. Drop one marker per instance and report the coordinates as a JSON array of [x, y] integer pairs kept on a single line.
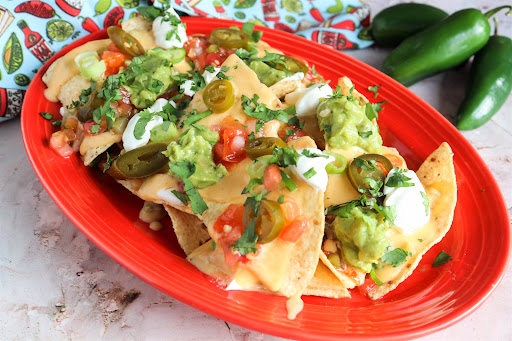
[[209, 76], [129, 140], [306, 100], [295, 77], [304, 164], [162, 27], [168, 196], [160, 104], [187, 88], [410, 209], [234, 286]]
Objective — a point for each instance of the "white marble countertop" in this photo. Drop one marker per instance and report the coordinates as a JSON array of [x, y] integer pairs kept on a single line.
[[55, 284]]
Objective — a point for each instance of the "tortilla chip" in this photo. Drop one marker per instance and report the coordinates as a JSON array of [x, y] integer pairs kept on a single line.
[[345, 280], [346, 84], [283, 87], [137, 23], [190, 231], [94, 145], [437, 174], [72, 89], [325, 284]]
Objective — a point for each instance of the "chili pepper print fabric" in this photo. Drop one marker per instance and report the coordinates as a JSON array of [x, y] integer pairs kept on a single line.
[[339, 24], [32, 31]]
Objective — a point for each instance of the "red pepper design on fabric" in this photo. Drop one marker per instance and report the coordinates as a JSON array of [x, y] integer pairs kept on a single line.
[[315, 13], [89, 25], [37, 8], [71, 7], [114, 17], [283, 27]]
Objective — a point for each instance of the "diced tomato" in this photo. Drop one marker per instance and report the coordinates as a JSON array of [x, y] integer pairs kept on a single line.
[[368, 286], [87, 127], [213, 59], [233, 137], [272, 177], [294, 231], [113, 61], [298, 133], [230, 227], [196, 47], [290, 210], [395, 160], [60, 143]]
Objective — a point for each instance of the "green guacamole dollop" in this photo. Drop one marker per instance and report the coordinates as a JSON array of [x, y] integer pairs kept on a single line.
[[363, 237], [345, 124], [266, 74], [149, 76], [195, 145]]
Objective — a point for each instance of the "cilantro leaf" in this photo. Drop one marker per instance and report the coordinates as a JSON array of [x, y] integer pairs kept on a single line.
[[308, 153], [181, 196], [284, 156], [155, 85], [150, 13], [441, 258], [260, 111], [377, 106], [280, 200], [249, 29], [396, 257], [374, 186], [247, 241], [95, 128], [365, 134], [375, 89], [56, 123], [368, 165], [370, 112], [343, 210], [46, 115], [389, 212], [140, 126], [194, 117], [244, 54], [273, 59], [184, 170], [399, 179]]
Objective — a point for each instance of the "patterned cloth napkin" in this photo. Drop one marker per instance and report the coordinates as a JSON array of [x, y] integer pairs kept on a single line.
[[32, 31]]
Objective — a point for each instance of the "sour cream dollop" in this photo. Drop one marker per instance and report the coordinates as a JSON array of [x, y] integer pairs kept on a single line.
[[306, 100], [130, 142], [209, 76], [412, 210], [304, 164], [162, 27], [187, 88]]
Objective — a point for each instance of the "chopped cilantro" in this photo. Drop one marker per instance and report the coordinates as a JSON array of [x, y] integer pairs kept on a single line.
[[284, 156], [95, 128], [260, 111], [107, 164], [378, 106], [310, 173], [46, 115], [56, 123], [398, 179], [213, 245], [184, 170], [365, 134], [441, 258], [313, 70], [368, 165], [389, 212], [280, 200], [420, 240], [194, 117], [273, 59], [343, 210], [155, 85], [249, 29], [181, 196], [308, 153], [374, 187], [370, 112], [374, 89], [244, 54], [142, 122], [84, 95], [150, 13], [396, 257]]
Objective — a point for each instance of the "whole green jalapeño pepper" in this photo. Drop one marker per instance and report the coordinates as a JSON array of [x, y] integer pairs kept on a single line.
[[490, 83], [440, 47], [396, 23]]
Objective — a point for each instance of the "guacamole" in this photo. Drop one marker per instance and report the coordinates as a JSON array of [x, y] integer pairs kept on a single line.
[[266, 74], [195, 145], [363, 237], [149, 76], [345, 124]]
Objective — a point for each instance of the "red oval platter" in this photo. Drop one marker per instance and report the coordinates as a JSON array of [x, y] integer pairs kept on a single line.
[[430, 300]]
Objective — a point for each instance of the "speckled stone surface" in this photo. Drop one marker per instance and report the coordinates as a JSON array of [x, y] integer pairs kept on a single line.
[[55, 284]]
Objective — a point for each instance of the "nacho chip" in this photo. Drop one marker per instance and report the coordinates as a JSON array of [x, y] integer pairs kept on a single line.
[[190, 231], [437, 174], [325, 284], [94, 145]]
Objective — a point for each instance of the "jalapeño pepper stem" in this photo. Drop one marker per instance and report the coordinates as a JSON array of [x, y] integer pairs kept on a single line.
[[493, 11]]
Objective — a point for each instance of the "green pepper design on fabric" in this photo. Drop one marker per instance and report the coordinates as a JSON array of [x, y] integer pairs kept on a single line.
[[32, 31], [339, 24]]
